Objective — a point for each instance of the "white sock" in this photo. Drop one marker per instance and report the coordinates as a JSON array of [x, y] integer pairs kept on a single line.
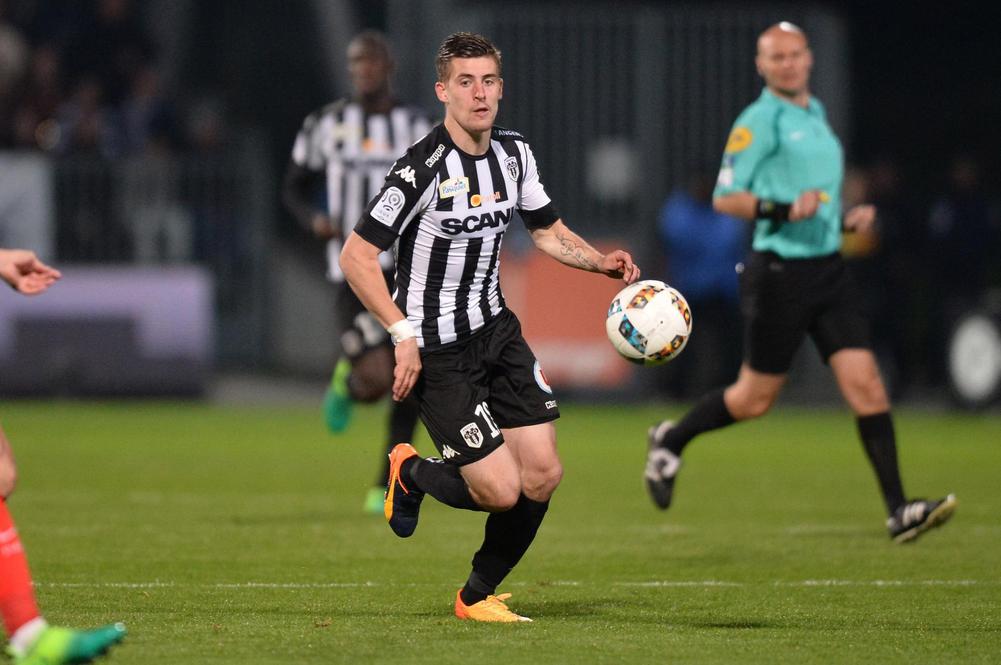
[[24, 637]]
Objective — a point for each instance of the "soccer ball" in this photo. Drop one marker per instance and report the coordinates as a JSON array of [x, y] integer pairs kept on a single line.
[[649, 322]]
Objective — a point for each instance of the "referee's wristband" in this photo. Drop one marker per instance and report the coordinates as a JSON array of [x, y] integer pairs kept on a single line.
[[400, 331], [773, 210]]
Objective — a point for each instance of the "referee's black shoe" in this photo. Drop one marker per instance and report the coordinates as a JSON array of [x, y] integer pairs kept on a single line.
[[402, 505], [661, 466], [915, 517]]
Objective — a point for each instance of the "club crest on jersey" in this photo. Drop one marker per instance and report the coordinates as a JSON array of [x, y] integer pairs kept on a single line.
[[453, 187], [511, 166], [407, 174], [472, 435], [389, 205]]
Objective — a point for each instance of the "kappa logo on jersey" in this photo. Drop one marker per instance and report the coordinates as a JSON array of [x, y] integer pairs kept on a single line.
[[453, 187], [448, 453], [430, 161], [453, 226], [472, 435], [389, 205], [408, 175], [540, 378], [511, 165]]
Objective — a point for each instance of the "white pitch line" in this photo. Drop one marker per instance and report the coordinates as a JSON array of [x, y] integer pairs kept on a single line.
[[644, 584]]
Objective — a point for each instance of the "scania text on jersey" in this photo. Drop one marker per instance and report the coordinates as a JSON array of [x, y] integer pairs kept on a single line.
[[473, 223]]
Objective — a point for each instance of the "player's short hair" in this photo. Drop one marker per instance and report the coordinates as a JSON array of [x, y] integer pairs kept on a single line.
[[374, 41], [464, 45]]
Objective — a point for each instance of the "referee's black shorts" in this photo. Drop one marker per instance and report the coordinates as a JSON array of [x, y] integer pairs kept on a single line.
[[471, 389], [782, 300]]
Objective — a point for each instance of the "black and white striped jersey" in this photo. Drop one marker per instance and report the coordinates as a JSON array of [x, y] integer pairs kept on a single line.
[[447, 212], [355, 149]]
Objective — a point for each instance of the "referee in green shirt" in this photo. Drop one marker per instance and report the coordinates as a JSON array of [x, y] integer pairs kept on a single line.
[[782, 170]]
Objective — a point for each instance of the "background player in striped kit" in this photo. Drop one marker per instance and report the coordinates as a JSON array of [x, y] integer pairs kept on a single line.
[[483, 396], [348, 146], [32, 640]]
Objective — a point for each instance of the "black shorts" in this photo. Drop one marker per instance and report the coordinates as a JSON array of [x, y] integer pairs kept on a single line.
[[782, 300], [471, 389], [360, 331]]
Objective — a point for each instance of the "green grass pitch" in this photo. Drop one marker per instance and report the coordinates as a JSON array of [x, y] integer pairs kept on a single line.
[[235, 535]]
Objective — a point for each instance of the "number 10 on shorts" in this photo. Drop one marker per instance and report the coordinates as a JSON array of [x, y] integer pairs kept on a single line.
[[471, 433]]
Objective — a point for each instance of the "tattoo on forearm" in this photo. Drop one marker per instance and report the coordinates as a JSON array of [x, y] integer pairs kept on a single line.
[[573, 247]]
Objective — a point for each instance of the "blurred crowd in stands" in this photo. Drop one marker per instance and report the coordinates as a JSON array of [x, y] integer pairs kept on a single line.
[[82, 77]]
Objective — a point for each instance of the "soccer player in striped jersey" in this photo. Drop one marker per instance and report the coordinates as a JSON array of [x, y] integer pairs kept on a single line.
[[32, 640], [445, 206], [348, 146]]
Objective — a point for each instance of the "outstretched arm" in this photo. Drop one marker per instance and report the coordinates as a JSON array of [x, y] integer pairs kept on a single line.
[[360, 263], [568, 248], [25, 273]]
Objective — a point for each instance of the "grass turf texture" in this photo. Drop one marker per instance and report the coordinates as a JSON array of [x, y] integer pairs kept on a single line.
[[235, 535]]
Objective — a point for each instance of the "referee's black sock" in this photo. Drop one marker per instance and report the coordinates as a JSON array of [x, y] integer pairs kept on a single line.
[[402, 421], [507, 536], [880, 445], [709, 413], [440, 480]]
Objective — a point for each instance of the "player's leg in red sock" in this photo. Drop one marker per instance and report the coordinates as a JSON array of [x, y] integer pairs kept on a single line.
[[17, 597]]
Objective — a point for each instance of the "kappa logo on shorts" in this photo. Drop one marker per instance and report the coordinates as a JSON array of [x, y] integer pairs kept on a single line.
[[447, 452], [472, 435], [389, 205]]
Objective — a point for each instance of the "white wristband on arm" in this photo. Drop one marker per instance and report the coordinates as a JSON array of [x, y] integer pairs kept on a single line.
[[401, 330]]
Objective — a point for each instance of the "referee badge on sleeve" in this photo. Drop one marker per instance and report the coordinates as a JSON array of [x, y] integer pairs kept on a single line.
[[740, 139]]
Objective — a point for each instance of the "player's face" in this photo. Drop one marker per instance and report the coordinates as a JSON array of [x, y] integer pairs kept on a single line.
[[784, 61], [368, 68], [472, 93]]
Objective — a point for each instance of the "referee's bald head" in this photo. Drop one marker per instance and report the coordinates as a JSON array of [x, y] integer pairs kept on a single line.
[[778, 31]]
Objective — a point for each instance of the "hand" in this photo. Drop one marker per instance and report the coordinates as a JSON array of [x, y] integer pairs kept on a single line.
[[620, 264], [25, 273], [860, 218], [805, 206], [408, 368], [323, 227]]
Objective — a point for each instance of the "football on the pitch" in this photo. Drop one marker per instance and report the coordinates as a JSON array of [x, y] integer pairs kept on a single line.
[[649, 322]]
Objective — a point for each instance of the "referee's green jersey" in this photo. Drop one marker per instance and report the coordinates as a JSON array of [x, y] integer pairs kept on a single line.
[[776, 151]]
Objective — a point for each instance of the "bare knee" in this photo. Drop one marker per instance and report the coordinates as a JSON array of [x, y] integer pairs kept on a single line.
[[867, 395], [745, 404], [539, 484], [8, 478], [496, 497], [371, 375]]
